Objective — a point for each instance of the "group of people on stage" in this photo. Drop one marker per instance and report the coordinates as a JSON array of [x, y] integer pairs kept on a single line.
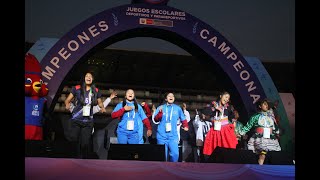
[[215, 126]]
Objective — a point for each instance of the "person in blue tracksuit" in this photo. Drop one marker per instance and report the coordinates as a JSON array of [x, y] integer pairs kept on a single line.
[[169, 114], [131, 116]]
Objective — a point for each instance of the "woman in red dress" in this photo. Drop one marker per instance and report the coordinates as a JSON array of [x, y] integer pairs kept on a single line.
[[222, 133]]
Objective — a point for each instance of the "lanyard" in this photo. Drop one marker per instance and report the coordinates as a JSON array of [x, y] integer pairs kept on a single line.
[[265, 120], [221, 115], [170, 113], [89, 98]]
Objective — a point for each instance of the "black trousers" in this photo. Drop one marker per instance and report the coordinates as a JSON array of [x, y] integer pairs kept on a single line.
[[82, 133]]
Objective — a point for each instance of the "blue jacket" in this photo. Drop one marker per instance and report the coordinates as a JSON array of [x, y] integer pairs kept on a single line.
[[137, 117], [175, 112]]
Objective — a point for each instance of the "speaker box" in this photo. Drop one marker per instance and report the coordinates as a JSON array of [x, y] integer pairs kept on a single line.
[[233, 156], [35, 148], [279, 158], [186, 153], [53, 149], [140, 152]]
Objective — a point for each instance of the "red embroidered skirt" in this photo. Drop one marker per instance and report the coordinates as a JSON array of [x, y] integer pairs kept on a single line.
[[225, 138]]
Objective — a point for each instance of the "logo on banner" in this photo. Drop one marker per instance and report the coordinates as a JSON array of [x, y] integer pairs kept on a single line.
[[156, 22]]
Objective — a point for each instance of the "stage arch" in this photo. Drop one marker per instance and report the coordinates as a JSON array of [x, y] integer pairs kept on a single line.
[[143, 20]]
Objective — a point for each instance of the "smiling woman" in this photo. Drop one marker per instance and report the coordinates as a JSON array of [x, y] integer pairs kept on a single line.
[[86, 96], [169, 114], [131, 116]]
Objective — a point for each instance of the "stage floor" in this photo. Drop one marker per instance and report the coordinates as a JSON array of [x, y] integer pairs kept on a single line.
[[81, 169]]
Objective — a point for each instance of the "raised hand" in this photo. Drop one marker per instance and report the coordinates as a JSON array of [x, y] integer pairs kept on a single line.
[[143, 103], [113, 95], [214, 103], [127, 108], [154, 108]]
